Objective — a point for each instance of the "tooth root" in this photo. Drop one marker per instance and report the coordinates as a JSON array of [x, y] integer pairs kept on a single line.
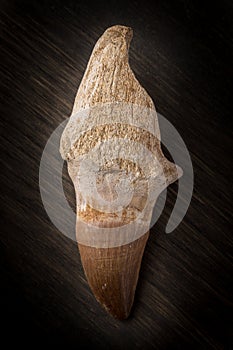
[[112, 274]]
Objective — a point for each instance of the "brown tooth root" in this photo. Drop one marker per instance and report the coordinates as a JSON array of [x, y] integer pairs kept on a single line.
[[111, 246]]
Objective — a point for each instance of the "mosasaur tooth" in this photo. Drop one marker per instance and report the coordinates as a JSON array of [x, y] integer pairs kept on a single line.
[[112, 146]]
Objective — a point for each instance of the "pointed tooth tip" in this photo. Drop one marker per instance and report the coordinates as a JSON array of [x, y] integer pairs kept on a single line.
[[118, 312]]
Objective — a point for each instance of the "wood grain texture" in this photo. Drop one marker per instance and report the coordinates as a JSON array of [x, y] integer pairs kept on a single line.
[[184, 295]]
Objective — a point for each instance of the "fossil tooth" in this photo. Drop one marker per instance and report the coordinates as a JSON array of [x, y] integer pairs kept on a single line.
[[112, 146]]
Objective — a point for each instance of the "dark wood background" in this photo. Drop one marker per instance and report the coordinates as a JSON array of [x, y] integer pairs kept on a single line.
[[182, 54]]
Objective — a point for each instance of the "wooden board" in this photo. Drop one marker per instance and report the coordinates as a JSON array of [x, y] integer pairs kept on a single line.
[[181, 53]]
